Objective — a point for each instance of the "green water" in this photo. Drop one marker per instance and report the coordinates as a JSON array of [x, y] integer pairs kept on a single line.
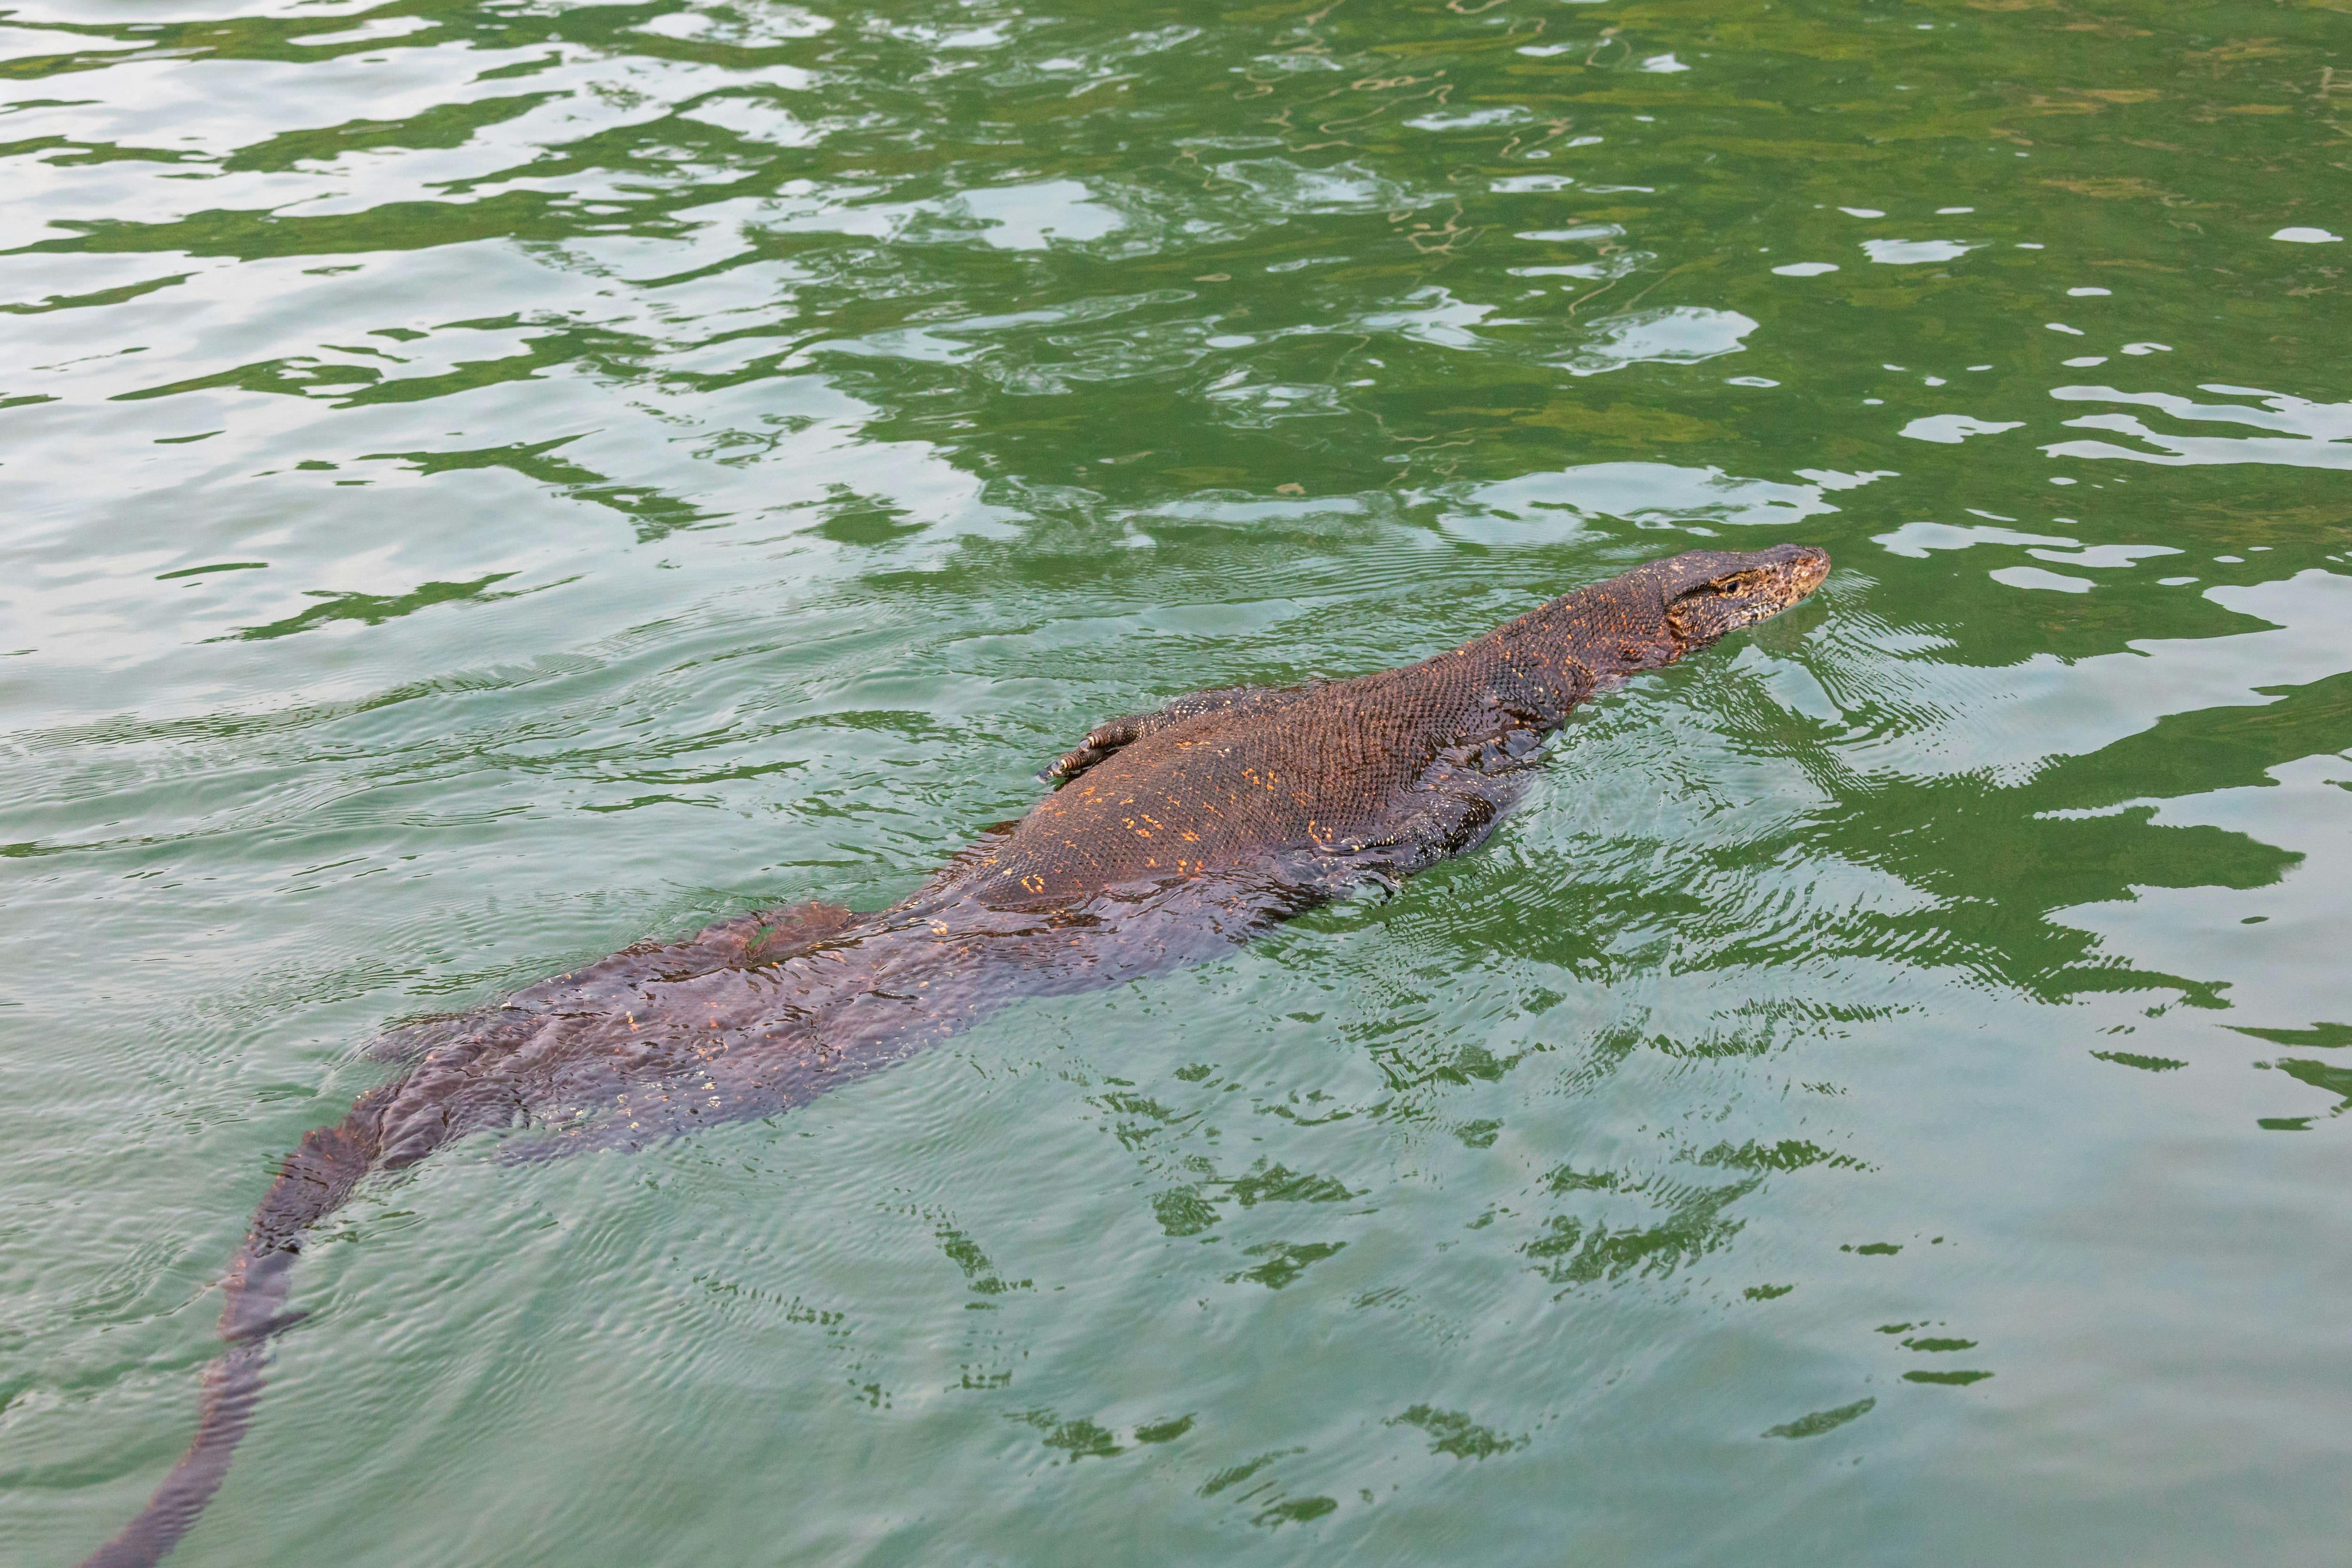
[[485, 483]]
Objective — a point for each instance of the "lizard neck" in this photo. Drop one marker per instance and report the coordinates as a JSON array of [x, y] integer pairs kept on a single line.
[[1543, 664]]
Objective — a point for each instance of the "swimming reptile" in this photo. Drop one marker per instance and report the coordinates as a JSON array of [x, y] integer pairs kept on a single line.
[[1173, 835]]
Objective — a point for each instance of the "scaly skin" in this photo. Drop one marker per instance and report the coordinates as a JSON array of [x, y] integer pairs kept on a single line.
[[1175, 835]]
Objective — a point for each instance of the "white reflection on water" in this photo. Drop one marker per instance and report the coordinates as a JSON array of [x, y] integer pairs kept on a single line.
[[1682, 335], [2310, 435], [1951, 429], [1536, 507], [2009, 722], [1913, 252], [2289, 933]]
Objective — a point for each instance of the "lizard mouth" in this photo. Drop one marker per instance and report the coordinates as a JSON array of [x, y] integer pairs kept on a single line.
[[1782, 578], [1775, 587], [1808, 571]]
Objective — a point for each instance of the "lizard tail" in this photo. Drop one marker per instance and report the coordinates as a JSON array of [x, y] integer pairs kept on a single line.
[[315, 1181]]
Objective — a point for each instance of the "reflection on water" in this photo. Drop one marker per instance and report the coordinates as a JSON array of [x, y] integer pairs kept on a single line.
[[2312, 435], [487, 483]]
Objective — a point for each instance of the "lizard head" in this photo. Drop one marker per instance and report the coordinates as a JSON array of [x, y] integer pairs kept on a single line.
[[1711, 592]]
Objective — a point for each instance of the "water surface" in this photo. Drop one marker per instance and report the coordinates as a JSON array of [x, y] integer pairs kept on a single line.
[[489, 482]]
